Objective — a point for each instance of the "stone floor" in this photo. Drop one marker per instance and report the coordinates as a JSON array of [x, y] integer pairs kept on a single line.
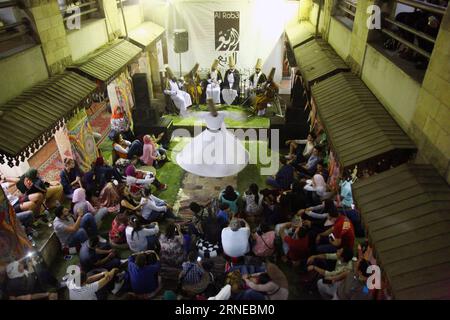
[[200, 190]]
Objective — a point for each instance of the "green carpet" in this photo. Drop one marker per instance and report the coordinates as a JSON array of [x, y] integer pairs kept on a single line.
[[238, 112]]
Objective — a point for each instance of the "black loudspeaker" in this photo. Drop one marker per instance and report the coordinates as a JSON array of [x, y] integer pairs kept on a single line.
[[143, 112], [181, 41]]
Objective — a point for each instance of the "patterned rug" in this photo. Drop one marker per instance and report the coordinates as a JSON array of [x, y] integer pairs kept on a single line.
[[99, 120]]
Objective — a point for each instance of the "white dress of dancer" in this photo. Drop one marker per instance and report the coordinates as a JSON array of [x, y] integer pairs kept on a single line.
[[229, 94], [181, 99], [215, 152], [213, 88]]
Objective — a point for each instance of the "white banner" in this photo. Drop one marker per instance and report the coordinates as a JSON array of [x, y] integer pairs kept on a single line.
[[217, 29]]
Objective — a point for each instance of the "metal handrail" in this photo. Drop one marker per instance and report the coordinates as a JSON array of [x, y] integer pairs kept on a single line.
[[80, 14], [407, 43], [349, 3], [424, 6], [15, 35], [7, 4], [12, 25], [412, 30], [78, 6], [350, 12]]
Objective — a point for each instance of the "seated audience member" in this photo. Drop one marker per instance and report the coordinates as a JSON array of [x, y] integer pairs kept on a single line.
[[172, 251], [309, 168], [320, 169], [235, 238], [231, 197], [194, 279], [318, 186], [253, 200], [284, 177], [295, 242], [143, 273], [117, 236], [136, 178], [95, 256], [128, 204], [104, 173], [301, 155], [79, 202], [263, 241], [223, 215], [346, 195], [109, 198], [24, 203], [92, 288], [341, 235], [264, 288], [70, 177], [321, 211], [33, 188], [153, 155], [29, 279], [153, 208], [125, 149], [354, 285], [328, 284], [278, 210], [69, 232], [297, 196], [140, 238]]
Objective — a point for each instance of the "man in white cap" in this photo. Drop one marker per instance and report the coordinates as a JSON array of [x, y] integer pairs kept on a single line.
[[214, 79], [181, 99], [231, 83]]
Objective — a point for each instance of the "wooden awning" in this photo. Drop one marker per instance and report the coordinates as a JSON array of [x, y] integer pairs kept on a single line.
[[357, 125], [30, 120], [317, 60], [145, 34], [407, 213], [108, 61]]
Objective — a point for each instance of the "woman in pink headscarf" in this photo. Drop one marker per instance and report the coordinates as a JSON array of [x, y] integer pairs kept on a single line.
[[80, 203], [149, 154]]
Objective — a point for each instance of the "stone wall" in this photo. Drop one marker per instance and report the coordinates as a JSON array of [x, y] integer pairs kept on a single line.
[[52, 34], [431, 123]]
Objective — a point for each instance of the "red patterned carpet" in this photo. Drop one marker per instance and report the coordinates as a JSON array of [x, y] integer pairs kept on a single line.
[[99, 120]]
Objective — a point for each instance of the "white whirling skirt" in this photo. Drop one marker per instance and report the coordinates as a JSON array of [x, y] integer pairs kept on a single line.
[[229, 95], [213, 154]]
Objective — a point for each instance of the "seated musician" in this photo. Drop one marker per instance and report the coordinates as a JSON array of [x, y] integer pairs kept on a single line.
[[193, 84], [214, 80], [230, 89], [257, 79], [181, 99], [268, 92]]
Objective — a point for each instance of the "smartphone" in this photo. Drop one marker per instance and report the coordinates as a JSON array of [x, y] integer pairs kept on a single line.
[[332, 237], [199, 259]]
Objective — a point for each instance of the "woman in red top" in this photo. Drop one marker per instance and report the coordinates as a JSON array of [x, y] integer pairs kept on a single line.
[[117, 236], [297, 243], [341, 235]]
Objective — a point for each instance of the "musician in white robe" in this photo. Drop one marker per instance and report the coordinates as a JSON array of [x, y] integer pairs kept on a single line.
[[180, 98], [231, 83], [214, 81]]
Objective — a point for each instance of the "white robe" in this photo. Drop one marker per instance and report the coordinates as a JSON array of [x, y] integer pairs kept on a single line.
[[213, 88], [215, 152], [180, 98], [229, 94]]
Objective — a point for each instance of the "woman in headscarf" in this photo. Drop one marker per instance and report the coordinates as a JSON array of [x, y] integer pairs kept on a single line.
[[80, 202], [149, 155], [318, 185]]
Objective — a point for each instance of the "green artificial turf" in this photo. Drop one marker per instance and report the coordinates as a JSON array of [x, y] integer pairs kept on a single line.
[[252, 122]]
